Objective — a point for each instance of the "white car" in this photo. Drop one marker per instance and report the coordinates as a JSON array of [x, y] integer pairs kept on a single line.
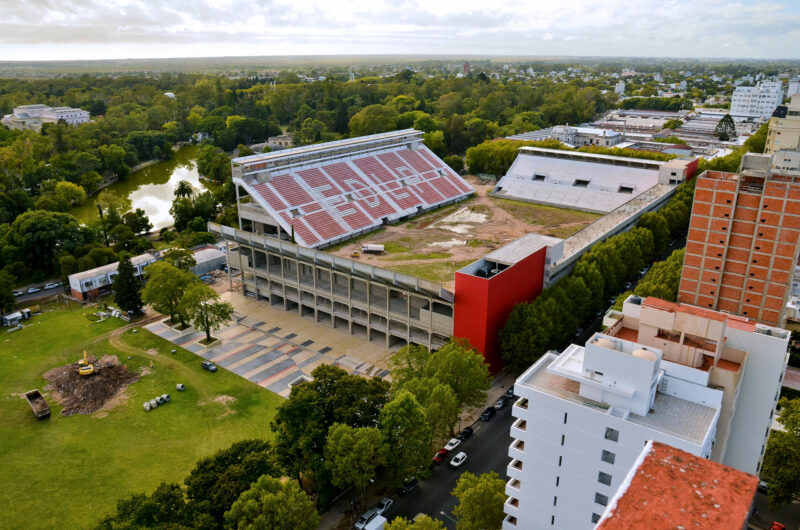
[[52, 285], [365, 519], [452, 444], [33, 290], [384, 507], [458, 460]]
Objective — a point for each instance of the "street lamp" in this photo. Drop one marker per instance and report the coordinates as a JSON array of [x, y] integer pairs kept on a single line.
[[442, 512]]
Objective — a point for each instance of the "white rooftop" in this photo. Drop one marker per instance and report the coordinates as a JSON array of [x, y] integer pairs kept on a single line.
[[521, 248], [111, 267]]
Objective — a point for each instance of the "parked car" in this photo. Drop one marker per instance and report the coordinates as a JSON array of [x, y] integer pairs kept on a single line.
[[384, 506], [763, 487], [452, 444], [458, 460], [52, 285], [510, 392], [440, 456], [364, 520], [33, 290], [208, 365], [487, 414], [17, 293], [409, 485], [466, 433], [500, 403]]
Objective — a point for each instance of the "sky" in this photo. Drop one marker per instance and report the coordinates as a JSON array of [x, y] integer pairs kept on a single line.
[[115, 29]]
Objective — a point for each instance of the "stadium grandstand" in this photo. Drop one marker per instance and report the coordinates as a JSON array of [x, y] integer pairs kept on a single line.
[[326, 193], [585, 181]]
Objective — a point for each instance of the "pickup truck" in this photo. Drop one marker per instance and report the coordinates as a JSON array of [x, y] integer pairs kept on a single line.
[[38, 405]]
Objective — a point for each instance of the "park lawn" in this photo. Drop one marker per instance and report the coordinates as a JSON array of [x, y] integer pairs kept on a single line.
[[439, 271], [68, 472], [543, 215]]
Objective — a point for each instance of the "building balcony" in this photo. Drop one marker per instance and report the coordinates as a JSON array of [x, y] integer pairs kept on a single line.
[[517, 450], [518, 428], [510, 522], [514, 469], [522, 403], [513, 488], [511, 507]]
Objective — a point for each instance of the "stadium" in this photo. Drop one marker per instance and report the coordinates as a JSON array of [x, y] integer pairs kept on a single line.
[[456, 257]]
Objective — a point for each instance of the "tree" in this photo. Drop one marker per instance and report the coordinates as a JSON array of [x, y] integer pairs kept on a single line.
[[201, 305], [184, 189], [423, 522], [180, 258], [165, 508], [137, 221], [658, 226], [455, 162], [373, 119], [217, 481], [243, 150], [781, 467], [675, 123], [480, 501], [272, 503], [440, 404], [165, 287], [407, 435], [70, 194], [38, 234], [352, 455], [126, 286], [725, 129], [7, 299], [463, 369]]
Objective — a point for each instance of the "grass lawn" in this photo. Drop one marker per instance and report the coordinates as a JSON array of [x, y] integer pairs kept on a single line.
[[68, 472], [547, 216], [439, 272]]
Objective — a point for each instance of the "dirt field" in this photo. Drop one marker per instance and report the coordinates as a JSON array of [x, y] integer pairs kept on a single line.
[[435, 245], [86, 394]]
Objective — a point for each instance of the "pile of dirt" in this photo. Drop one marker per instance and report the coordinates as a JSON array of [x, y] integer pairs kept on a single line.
[[85, 394]]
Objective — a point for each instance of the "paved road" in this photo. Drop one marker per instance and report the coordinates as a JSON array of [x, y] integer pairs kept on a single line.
[[487, 450]]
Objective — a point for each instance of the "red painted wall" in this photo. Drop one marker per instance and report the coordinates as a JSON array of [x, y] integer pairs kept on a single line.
[[482, 305]]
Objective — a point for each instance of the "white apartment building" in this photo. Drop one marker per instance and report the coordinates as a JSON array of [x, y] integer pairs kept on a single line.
[[619, 88], [702, 381], [33, 116], [794, 87], [756, 101], [784, 134]]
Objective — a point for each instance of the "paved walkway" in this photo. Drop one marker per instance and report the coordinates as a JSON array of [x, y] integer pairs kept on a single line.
[[275, 349]]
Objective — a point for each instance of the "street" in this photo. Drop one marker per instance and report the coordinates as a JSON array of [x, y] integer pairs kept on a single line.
[[487, 450]]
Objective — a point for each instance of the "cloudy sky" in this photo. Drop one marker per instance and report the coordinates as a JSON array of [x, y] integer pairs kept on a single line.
[[104, 29]]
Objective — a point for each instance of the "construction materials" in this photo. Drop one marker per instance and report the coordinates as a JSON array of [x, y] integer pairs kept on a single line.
[[38, 404]]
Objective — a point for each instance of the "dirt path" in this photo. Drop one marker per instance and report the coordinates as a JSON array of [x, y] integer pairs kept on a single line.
[[115, 339]]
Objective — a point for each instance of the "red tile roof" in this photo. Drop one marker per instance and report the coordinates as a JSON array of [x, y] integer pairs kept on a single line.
[[734, 321], [674, 489]]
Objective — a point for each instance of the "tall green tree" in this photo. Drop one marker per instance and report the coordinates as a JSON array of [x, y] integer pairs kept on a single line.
[[126, 286], [353, 455], [440, 404], [463, 369], [480, 501], [180, 258], [407, 435], [201, 305], [217, 481], [725, 129], [7, 299], [272, 503], [166, 285], [781, 467]]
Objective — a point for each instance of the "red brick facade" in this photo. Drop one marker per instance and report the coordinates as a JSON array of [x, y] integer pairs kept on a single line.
[[742, 244]]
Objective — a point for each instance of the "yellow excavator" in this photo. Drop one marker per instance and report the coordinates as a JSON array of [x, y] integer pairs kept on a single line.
[[84, 366]]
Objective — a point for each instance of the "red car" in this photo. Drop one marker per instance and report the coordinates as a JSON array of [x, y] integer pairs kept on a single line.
[[441, 456]]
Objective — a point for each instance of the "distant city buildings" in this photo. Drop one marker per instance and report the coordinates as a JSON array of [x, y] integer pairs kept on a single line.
[[467, 68], [33, 116], [756, 101], [698, 380], [670, 488], [743, 241], [794, 87], [619, 88]]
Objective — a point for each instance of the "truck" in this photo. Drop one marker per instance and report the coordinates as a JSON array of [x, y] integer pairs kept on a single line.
[[38, 405], [372, 249]]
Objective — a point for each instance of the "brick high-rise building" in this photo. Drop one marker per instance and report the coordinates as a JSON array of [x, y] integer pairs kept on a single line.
[[743, 241]]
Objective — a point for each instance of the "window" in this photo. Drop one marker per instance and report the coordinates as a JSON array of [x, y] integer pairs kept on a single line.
[[562, 439], [565, 418], [612, 434], [580, 183], [552, 520], [601, 499], [606, 456], [625, 189], [558, 479], [595, 518], [559, 460], [604, 478], [555, 500], [538, 178]]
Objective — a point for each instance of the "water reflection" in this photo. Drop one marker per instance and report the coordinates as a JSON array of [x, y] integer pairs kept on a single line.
[[151, 189]]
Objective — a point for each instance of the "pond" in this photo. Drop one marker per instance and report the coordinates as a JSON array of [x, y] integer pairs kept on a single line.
[[151, 189]]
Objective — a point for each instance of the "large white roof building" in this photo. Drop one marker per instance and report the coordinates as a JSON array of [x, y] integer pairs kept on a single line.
[[32, 116], [584, 181]]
